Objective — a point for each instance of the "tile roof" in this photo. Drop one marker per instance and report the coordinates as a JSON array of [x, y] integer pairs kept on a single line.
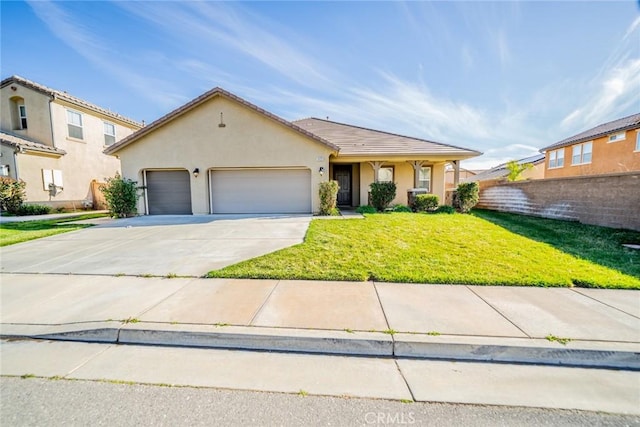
[[630, 122], [501, 171], [217, 91], [57, 94], [359, 141], [26, 144]]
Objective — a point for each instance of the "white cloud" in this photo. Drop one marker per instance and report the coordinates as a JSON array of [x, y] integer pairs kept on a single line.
[[80, 38]]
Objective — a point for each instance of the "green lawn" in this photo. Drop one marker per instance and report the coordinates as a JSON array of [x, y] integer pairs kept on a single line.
[[16, 232], [482, 248]]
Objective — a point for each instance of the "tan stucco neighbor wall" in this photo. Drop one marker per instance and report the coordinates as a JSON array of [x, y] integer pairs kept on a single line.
[[38, 117], [248, 140]]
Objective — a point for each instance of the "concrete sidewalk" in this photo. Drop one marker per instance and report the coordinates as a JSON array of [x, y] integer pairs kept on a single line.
[[502, 324]]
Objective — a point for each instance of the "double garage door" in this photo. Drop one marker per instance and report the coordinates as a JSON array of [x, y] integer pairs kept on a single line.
[[232, 191], [261, 191]]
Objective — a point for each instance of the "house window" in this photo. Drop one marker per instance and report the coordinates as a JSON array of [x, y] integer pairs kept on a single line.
[[581, 154], [638, 141], [4, 170], [556, 158], [424, 178], [109, 133], [22, 116], [74, 124], [617, 136], [385, 174]]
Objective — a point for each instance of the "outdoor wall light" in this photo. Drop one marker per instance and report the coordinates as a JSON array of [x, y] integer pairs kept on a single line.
[[321, 170], [196, 172]]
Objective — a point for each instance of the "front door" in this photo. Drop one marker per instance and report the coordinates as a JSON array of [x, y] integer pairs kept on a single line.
[[342, 174]]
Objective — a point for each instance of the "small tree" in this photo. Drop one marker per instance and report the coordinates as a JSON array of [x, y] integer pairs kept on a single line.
[[382, 194], [121, 195], [328, 197], [466, 196], [12, 194], [515, 169]]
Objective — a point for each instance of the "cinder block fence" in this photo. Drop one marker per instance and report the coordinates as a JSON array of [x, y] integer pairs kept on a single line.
[[607, 200]]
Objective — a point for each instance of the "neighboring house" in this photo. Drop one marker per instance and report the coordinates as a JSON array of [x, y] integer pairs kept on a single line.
[[54, 142], [611, 147], [500, 172], [465, 175], [222, 154]]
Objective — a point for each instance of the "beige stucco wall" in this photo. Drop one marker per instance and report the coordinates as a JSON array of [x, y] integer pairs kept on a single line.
[[249, 140], [7, 158], [38, 118], [403, 175]]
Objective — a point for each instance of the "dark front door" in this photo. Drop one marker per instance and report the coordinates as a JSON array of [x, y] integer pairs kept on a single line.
[[342, 174]]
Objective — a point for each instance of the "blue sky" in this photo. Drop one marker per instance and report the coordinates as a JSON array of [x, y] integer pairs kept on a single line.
[[505, 78]]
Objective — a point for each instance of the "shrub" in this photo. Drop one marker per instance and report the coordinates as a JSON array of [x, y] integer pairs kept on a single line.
[[329, 198], [382, 193], [445, 209], [25, 210], [425, 203], [12, 194], [466, 196], [121, 195], [401, 208], [366, 209]]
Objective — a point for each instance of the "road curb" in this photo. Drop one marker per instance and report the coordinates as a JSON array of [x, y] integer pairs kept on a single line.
[[589, 354]]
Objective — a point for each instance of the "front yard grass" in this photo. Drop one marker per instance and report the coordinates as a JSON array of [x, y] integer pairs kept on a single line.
[[17, 232], [484, 248]]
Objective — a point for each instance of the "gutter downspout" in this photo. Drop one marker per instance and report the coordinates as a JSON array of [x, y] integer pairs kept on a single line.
[[53, 139]]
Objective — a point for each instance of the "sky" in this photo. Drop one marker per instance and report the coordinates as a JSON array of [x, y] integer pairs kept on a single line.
[[505, 78]]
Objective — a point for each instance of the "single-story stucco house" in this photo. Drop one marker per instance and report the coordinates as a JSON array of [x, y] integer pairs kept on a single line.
[[221, 154]]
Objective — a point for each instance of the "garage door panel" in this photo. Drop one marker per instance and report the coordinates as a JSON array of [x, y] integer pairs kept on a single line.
[[169, 192], [261, 191]]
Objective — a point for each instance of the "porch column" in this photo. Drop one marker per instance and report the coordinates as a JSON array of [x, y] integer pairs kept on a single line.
[[456, 172], [417, 164], [376, 167]]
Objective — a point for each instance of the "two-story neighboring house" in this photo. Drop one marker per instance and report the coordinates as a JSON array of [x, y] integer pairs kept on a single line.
[[612, 147], [54, 142]]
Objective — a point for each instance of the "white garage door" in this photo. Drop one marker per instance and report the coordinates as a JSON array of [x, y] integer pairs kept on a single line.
[[261, 191], [168, 192]]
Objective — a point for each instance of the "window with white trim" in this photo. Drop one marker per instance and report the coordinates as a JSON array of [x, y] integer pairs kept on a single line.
[[556, 158], [22, 116], [385, 174], [424, 178], [74, 124], [638, 141], [581, 154], [620, 136], [109, 133]]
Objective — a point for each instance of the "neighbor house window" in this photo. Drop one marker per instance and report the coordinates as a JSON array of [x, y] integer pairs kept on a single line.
[[385, 174], [22, 116], [109, 133], [4, 170], [74, 124], [424, 178], [556, 158], [638, 141], [617, 136], [581, 154]]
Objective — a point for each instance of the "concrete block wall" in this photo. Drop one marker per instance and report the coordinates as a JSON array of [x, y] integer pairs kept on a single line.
[[608, 200]]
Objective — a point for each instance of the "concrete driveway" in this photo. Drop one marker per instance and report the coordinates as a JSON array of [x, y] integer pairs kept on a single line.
[[157, 245]]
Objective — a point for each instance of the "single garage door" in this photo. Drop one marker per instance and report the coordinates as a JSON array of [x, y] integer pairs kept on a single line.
[[169, 192], [261, 191]]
